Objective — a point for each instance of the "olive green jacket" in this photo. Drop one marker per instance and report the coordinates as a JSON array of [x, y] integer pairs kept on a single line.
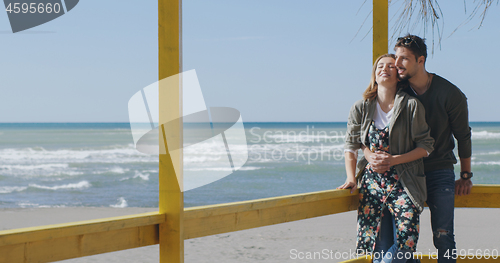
[[407, 131]]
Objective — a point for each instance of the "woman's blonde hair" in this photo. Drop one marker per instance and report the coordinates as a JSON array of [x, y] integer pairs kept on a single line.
[[371, 92]]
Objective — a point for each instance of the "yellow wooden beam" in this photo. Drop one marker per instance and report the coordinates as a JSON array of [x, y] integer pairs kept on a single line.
[[380, 27], [486, 196], [170, 106], [78, 239], [362, 259], [79, 246], [216, 219], [31, 234], [222, 218]]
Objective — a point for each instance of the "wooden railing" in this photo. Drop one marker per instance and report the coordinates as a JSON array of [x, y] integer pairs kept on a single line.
[[79, 239]]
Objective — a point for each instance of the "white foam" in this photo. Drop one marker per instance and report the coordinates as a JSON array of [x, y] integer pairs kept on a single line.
[[485, 163], [11, 189], [51, 206], [49, 179], [35, 171], [197, 156], [39, 170], [115, 170], [295, 138], [122, 203], [144, 177], [199, 159], [487, 153], [118, 154], [227, 169], [209, 147], [150, 171], [80, 185], [485, 135], [27, 204], [70, 173], [118, 170], [49, 166]]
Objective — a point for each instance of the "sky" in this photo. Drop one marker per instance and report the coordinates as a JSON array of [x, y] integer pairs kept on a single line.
[[274, 61]]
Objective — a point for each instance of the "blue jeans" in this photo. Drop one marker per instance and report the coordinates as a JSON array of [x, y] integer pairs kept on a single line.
[[387, 243], [441, 202]]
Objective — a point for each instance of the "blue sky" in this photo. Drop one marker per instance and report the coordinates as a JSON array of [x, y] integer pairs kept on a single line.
[[272, 60]]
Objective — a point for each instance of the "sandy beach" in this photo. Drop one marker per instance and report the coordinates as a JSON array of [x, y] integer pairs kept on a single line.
[[475, 229]]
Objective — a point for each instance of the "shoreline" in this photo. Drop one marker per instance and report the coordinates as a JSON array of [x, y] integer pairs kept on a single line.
[[475, 228]]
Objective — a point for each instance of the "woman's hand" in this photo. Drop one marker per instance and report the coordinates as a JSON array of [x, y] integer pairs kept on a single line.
[[349, 183], [379, 161]]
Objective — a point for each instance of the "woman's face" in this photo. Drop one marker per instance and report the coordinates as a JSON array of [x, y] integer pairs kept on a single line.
[[386, 72]]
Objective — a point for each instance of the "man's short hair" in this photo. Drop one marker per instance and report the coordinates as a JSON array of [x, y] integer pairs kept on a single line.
[[414, 43]]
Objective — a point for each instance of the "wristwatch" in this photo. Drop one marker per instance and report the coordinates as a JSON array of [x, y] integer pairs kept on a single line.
[[466, 175]]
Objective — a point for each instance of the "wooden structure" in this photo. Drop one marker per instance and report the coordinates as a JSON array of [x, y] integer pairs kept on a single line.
[[172, 224], [85, 238]]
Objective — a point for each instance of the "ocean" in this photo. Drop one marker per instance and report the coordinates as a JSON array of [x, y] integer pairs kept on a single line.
[[97, 165]]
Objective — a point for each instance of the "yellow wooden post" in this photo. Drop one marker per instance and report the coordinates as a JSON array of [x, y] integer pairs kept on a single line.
[[171, 201], [380, 27]]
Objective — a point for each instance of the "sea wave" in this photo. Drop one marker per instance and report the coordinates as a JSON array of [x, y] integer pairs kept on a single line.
[[485, 135], [79, 185], [107, 155], [34, 205], [39, 170], [200, 159], [11, 189], [122, 203], [151, 171], [226, 169], [487, 153], [49, 166], [200, 154], [486, 163], [143, 176], [210, 147], [302, 138], [114, 170], [27, 204]]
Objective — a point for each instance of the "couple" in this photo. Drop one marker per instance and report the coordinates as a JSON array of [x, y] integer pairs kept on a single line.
[[405, 126]]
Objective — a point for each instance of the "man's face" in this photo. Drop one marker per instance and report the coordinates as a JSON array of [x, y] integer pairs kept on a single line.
[[406, 63]]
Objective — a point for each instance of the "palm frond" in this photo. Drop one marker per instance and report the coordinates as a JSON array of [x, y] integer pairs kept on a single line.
[[418, 16], [413, 14]]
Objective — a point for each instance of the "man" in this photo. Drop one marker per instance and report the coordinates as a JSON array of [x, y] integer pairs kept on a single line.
[[447, 115]]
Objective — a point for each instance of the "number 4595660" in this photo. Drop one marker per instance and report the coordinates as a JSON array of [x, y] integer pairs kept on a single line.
[[472, 254], [33, 8]]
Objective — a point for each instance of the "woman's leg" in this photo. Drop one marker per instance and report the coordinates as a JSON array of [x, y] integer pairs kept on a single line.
[[385, 239], [387, 243]]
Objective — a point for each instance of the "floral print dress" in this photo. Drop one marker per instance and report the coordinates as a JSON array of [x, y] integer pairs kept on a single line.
[[379, 191]]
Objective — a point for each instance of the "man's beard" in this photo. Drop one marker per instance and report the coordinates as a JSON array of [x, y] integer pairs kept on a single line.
[[403, 78], [407, 76]]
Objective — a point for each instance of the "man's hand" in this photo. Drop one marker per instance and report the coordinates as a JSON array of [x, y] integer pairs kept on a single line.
[[379, 161], [463, 187]]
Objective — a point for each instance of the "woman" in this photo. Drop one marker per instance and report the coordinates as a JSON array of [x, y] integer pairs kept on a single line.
[[390, 122]]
